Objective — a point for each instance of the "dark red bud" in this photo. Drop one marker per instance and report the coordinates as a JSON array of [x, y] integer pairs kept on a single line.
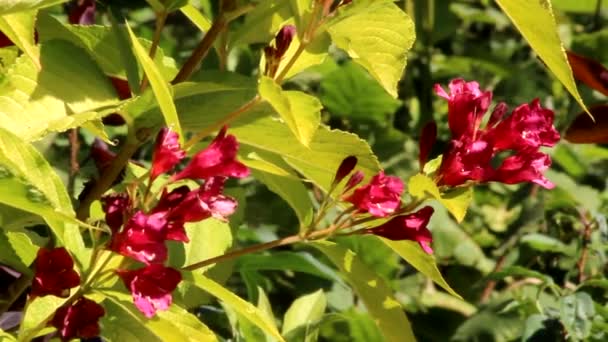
[[283, 40], [427, 140], [346, 167], [354, 180], [83, 13]]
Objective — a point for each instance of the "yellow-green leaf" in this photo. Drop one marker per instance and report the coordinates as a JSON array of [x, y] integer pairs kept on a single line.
[[19, 28], [300, 111], [411, 252], [242, 307], [378, 38], [379, 301], [196, 17], [13, 6], [160, 87], [536, 22], [456, 201]]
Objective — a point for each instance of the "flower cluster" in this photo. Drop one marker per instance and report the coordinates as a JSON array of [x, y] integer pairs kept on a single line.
[[142, 235], [381, 197], [473, 150], [55, 275]]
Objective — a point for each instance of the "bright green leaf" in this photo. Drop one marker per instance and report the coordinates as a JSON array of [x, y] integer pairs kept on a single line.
[[456, 201], [292, 191], [411, 252], [263, 22], [301, 112], [38, 310], [378, 38], [13, 6], [208, 238], [377, 296], [243, 308], [536, 22], [314, 53], [351, 92], [160, 87], [17, 250], [36, 187], [196, 17], [303, 313], [19, 28]]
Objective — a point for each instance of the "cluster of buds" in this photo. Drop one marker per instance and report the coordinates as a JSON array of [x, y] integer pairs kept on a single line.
[[274, 54], [473, 150], [381, 198]]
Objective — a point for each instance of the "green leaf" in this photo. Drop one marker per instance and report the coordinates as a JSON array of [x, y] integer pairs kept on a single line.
[[160, 87], [544, 243], [424, 263], [520, 271], [13, 6], [372, 290], [108, 46], [123, 322], [281, 261], [378, 38], [262, 23], [351, 92], [314, 53], [34, 102], [208, 238], [456, 201], [19, 28], [300, 111], [166, 5], [38, 311], [35, 187], [536, 22], [248, 330], [292, 191], [576, 313], [17, 251], [303, 313], [196, 17], [243, 308]]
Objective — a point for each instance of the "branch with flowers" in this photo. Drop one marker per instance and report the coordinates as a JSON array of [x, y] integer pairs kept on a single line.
[[159, 222]]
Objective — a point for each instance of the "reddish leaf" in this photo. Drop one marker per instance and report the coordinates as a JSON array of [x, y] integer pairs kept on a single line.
[[584, 131], [589, 71]]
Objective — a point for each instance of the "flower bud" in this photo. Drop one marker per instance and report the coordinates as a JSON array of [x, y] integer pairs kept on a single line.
[[427, 140], [283, 40], [345, 168]]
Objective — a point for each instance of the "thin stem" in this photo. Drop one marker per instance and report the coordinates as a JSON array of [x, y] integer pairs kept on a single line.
[[106, 179], [258, 248], [291, 62], [201, 50], [161, 19], [74, 166], [585, 248], [226, 120]]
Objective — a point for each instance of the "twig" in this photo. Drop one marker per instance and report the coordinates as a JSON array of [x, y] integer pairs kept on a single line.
[[580, 265], [487, 291], [74, 166], [161, 19]]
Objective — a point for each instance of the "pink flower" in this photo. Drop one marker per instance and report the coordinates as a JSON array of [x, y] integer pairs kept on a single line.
[[473, 149], [380, 197], [353, 181], [54, 274], [408, 227], [218, 159], [83, 13], [167, 152], [115, 206], [151, 287], [78, 320], [143, 238], [205, 202]]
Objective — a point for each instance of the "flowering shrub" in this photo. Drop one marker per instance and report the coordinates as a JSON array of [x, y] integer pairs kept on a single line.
[[138, 238]]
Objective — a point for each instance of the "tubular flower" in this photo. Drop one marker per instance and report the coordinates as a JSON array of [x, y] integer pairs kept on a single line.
[[217, 160], [54, 274], [167, 152], [115, 206], [381, 197], [83, 13], [79, 320], [151, 287], [205, 202], [408, 227], [143, 238], [472, 149]]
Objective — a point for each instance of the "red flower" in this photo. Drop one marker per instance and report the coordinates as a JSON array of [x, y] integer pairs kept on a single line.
[[354, 180], [143, 238], [205, 202], [83, 13], [151, 287], [408, 227], [472, 149], [380, 197], [427, 140], [55, 273], [167, 152], [79, 320], [115, 206], [218, 159]]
